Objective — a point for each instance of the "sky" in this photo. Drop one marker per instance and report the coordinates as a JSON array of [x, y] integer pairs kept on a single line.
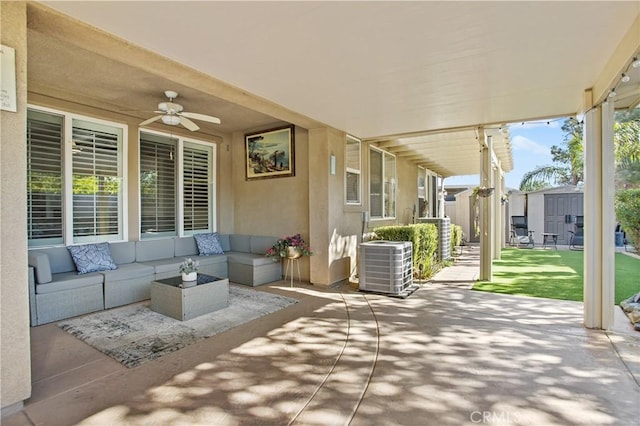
[[531, 144]]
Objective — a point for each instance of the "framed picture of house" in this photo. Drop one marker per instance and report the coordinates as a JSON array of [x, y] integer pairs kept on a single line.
[[270, 153]]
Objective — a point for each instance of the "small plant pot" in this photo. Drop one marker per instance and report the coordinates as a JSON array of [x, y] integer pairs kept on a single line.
[[293, 253], [191, 276]]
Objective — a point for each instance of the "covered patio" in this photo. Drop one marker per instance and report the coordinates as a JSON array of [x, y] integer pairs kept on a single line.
[[429, 84], [446, 355]]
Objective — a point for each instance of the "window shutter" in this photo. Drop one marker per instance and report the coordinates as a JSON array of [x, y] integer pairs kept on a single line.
[[44, 178], [157, 185], [96, 180], [352, 171], [196, 160], [375, 179], [389, 185]]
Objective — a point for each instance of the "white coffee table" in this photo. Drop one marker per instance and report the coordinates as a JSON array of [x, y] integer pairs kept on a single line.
[[183, 301]]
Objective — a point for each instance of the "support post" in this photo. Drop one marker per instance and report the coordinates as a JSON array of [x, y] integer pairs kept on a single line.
[[486, 222], [599, 251]]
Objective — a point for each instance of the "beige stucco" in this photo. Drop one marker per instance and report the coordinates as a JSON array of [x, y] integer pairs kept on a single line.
[[15, 367]]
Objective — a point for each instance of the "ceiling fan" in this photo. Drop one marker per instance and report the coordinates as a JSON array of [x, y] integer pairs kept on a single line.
[[172, 114]]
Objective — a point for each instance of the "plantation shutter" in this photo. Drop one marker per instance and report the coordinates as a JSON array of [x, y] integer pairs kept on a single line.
[[196, 172], [96, 181], [389, 185], [44, 178], [375, 183], [353, 171], [157, 185]]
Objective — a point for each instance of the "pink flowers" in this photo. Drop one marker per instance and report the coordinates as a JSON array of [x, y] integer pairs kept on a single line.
[[280, 248]]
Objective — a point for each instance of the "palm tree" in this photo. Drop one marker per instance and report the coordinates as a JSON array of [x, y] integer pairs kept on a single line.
[[568, 167], [568, 164], [627, 143]]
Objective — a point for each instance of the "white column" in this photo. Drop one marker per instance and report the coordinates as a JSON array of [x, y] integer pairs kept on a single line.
[[486, 222], [599, 261], [498, 225]]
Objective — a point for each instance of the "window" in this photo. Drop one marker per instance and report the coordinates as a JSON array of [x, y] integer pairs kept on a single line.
[[423, 202], [352, 173], [76, 194], [176, 186], [382, 184], [198, 187], [44, 178], [157, 185]]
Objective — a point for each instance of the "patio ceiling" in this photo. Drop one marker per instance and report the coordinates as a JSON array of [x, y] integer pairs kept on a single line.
[[418, 78]]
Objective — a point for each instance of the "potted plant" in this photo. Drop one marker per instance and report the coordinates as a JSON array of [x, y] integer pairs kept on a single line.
[[289, 247], [189, 270]]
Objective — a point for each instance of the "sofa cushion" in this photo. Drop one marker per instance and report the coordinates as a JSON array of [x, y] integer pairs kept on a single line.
[[40, 262], [124, 252], [161, 248], [69, 281], [260, 245], [92, 257], [210, 260], [208, 244], [186, 247], [162, 266], [60, 259], [240, 243], [248, 259], [224, 242], [128, 271]]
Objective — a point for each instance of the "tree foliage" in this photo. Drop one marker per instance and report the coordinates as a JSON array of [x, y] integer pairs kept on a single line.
[[627, 206], [568, 159]]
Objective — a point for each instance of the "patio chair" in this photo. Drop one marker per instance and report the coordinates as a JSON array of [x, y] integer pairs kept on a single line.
[[521, 236], [576, 240]]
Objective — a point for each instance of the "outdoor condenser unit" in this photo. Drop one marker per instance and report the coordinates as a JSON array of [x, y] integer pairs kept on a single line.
[[386, 267]]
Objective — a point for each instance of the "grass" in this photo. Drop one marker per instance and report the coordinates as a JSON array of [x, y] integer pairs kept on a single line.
[[555, 274]]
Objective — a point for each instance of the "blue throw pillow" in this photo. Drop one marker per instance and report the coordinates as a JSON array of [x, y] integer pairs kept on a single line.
[[208, 244], [92, 258]]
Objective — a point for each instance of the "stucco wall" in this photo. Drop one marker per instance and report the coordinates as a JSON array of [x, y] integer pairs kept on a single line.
[[335, 227], [15, 376], [277, 206]]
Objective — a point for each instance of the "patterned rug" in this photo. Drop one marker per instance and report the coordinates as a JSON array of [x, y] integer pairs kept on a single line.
[[134, 334]]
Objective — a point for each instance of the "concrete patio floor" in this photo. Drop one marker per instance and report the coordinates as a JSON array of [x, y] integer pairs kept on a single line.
[[444, 356]]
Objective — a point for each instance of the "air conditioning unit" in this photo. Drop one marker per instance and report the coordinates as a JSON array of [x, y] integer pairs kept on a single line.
[[386, 267]]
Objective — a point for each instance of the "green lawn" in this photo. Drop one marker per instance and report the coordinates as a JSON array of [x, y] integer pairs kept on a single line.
[[554, 274]]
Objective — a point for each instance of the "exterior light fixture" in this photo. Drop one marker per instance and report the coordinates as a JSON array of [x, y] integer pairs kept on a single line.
[[612, 94], [636, 62], [171, 120], [625, 78]]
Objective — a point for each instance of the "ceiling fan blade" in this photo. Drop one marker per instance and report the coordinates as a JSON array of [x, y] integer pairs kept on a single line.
[[201, 117], [189, 124], [151, 120]]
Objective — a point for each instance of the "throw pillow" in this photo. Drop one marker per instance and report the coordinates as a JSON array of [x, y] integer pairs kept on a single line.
[[208, 244], [92, 257]]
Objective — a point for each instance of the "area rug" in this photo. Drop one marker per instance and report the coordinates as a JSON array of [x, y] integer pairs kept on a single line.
[[134, 334]]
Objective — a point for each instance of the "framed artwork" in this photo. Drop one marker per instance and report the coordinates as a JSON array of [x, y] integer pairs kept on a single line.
[[270, 153]]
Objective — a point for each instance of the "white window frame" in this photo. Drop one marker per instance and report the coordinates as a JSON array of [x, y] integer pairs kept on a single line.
[[352, 170], [67, 177], [181, 141], [423, 193], [394, 194]]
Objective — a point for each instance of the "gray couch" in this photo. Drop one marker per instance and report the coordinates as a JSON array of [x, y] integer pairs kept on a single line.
[[56, 291]]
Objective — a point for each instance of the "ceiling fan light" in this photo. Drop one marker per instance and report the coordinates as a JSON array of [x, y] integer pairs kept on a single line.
[[171, 120]]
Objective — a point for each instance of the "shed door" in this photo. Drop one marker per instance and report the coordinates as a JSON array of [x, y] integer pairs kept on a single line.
[[556, 208]]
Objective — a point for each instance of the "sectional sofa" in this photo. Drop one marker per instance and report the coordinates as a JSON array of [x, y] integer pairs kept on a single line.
[[57, 291]]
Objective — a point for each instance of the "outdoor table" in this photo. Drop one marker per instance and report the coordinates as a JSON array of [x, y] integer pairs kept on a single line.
[[548, 237]]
